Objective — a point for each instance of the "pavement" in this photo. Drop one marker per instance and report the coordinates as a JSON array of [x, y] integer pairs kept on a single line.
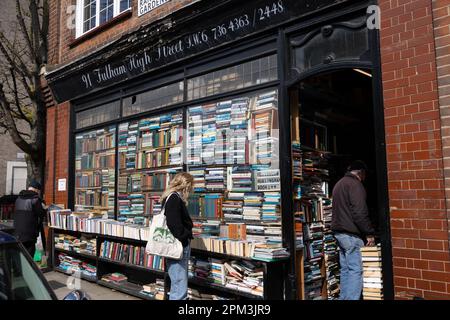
[[61, 284]]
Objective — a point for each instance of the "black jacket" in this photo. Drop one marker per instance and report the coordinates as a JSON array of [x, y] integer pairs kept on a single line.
[[350, 213], [28, 216], [178, 220]]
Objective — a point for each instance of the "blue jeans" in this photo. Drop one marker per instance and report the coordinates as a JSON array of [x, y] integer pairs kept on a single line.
[[178, 274], [351, 283]]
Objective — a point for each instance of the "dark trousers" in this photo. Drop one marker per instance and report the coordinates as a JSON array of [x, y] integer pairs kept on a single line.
[[30, 246]]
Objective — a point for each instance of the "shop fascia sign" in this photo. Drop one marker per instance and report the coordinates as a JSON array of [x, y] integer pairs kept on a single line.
[[249, 18], [145, 6]]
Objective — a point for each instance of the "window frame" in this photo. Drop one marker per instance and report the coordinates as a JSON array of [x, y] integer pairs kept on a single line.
[[80, 19]]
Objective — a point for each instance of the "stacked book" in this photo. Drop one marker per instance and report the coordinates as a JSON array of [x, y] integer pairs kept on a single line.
[[79, 245], [115, 277], [71, 265], [313, 280], [271, 210], [154, 290], [253, 205], [239, 131], [208, 133], [232, 209], [372, 273], [241, 178], [269, 252], [194, 145], [245, 276], [199, 179], [215, 179]]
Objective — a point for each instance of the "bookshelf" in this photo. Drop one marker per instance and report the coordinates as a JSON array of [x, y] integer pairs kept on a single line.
[[95, 159], [232, 152], [318, 263], [140, 275], [150, 153]]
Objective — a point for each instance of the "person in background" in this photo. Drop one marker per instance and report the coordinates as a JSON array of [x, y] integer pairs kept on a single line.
[[351, 227], [28, 216], [174, 199]]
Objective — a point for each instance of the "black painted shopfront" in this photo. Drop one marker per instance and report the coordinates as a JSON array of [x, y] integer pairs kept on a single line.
[[248, 67]]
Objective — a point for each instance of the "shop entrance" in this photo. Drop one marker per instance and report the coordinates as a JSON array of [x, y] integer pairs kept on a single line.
[[332, 121]]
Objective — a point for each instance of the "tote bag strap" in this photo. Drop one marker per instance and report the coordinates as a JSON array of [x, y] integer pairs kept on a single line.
[[165, 202]]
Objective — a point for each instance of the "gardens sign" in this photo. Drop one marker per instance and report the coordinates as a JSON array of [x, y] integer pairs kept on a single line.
[[145, 6]]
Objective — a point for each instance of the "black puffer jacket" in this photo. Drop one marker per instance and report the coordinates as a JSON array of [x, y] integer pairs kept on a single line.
[[28, 215], [178, 220], [350, 213]]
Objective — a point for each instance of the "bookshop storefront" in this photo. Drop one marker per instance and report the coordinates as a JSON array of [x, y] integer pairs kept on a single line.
[[265, 104]]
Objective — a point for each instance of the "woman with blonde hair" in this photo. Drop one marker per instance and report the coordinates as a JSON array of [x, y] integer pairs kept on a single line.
[[174, 200]]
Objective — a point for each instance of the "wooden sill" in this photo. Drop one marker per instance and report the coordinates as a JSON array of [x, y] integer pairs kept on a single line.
[[107, 25]]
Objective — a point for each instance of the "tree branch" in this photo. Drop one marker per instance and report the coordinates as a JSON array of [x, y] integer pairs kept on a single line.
[[11, 125], [20, 68], [16, 96], [23, 27]]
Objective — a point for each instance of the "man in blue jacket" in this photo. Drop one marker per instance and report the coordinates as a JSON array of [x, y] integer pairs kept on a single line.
[[351, 227]]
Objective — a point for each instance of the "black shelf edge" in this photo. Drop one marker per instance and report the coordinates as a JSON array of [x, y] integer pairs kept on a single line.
[[74, 253], [219, 255], [133, 266], [123, 290], [209, 285]]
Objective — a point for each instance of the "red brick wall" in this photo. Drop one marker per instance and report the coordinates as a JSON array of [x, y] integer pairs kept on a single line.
[[419, 226], [441, 24], [62, 152], [62, 35]]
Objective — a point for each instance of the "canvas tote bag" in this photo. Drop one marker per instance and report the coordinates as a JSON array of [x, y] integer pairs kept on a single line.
[[161, 241]]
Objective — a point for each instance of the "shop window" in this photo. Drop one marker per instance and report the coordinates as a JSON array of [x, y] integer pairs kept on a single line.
[[232, 78], [95, 161], [150, 153], [93, 13], [94, 116], [153, 99], [233, 153]]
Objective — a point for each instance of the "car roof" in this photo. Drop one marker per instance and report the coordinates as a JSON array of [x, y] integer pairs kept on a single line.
[[6, 238]]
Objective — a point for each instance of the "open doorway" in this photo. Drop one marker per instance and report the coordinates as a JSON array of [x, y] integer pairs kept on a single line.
[[332, 125]]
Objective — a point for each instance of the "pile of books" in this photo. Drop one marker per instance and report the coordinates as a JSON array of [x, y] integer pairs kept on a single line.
[[232, 210], [194, 144], [271, 208], [313, 280], [79, 245], [243, 275], [215, 179], [253, 205], [241, 179], [372, 273], [71, 265], [269, 252], [115, 277], [154, 290]]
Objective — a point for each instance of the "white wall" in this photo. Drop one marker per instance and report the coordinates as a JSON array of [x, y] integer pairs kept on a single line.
[[16, 177]]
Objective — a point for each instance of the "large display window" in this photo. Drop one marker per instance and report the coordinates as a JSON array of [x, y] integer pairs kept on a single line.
[[95, 164]]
